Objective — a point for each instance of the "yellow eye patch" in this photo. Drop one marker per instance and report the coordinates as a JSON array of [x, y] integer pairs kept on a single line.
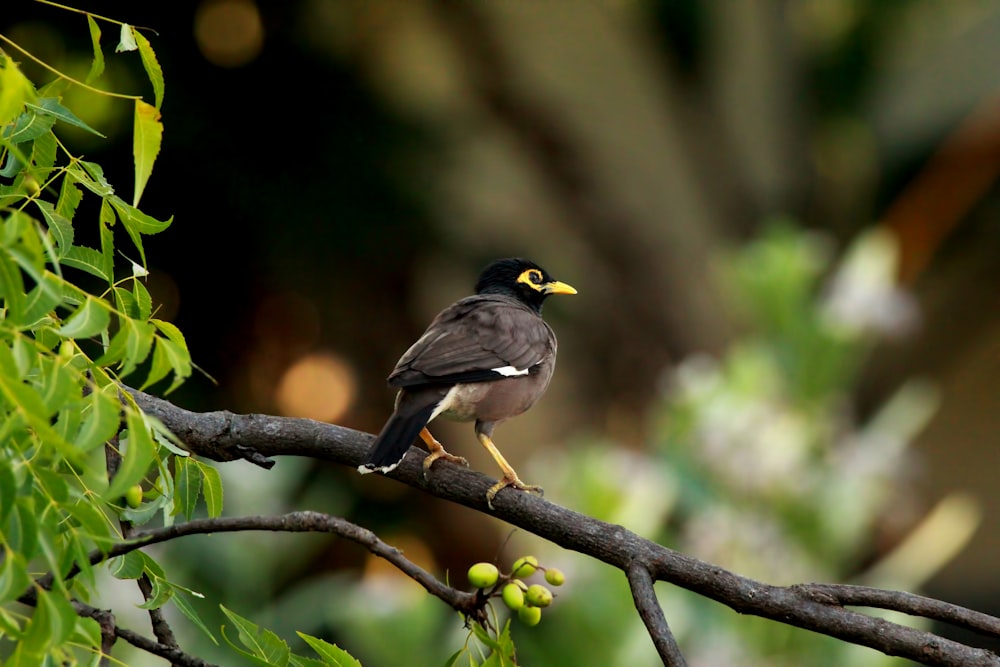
[[532, 278]]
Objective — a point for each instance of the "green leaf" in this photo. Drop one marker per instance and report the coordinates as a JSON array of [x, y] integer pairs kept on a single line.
[[211, 489], [97, 66], [168, 355], [188, 610], [28, 126], [162, 592], [88, 633], [135, 219], [187, 487], [137, 223], [267, 647], [11, 286], [52, 106], [146, 139], [160, 365], [42, 299], [140, 452], [30, 405], [51, 624], [331, 653], [301, 661], [91, 520], [91, 176], [127, 566], [89, 320], [87, 259], [484, 636], [15, 161], [130, 346], [57, 384], [60, 228], [14, 579], [142, 299], [70, 197], [15, 90], [126, 302], [101, 418], [8, 489], [453, 658], [152, 66], [43, 155], [144, 512], [21, 531]]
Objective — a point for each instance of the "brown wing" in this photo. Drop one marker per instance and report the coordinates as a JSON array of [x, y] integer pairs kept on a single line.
[[471, 339]]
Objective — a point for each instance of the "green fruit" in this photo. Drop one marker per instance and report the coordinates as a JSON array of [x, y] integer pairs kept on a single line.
[[538, 596], [513, 596], [134, 496], [555, 577], [483, 575], [524, 567], [529, 615]]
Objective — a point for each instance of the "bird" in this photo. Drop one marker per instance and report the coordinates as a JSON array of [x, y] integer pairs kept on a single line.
[[485, 358]]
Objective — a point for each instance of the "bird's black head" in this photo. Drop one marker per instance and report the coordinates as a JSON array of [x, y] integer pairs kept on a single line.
[[522, 279]]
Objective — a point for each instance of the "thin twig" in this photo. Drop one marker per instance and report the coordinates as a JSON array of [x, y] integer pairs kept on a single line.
[[110, 631], [651, 614], [293, 522]]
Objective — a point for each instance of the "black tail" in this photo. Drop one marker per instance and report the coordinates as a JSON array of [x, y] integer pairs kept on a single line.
[[395, 439]]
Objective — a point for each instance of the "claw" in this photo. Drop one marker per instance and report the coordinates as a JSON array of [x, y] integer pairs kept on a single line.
[[441, 454], [514, 482], [437, 452]]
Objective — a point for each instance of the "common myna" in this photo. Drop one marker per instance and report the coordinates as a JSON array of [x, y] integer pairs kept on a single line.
[[487, 358]]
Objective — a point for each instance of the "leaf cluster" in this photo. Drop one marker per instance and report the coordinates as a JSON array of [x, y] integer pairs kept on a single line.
[[75, 321]]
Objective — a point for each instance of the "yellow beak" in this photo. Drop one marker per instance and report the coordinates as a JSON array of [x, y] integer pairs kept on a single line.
[[556, 287]]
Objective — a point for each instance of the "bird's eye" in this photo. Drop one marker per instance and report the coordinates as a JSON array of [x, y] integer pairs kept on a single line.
[[532, 278]]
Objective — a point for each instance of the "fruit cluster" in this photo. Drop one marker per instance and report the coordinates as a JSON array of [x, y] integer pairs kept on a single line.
[[526, 600]]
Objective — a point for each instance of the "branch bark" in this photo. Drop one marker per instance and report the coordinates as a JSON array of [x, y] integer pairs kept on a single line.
[[217, 435]]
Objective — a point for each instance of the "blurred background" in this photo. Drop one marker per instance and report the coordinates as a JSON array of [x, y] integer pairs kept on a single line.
[[782, 220]]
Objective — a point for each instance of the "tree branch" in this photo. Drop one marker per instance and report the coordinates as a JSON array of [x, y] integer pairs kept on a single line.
[[612, 544]]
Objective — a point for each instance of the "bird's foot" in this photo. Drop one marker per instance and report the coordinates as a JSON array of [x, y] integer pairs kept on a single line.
[[441, 454], [514, 482]]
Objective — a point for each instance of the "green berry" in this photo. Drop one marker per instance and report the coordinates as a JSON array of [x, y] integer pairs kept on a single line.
[[513, 596], [529, 615], [134, 496], [538, 596], [524, 567], [483, 575], [555, 577]]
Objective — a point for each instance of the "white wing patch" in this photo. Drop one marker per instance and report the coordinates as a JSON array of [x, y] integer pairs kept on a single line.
[[510, 371], [365, 468]]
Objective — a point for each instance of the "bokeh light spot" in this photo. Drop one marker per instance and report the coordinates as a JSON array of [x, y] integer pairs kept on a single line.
[[229, 33], [318, 386]]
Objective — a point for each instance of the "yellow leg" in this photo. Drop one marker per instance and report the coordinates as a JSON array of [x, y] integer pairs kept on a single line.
[[509, 478], [437, 452]]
